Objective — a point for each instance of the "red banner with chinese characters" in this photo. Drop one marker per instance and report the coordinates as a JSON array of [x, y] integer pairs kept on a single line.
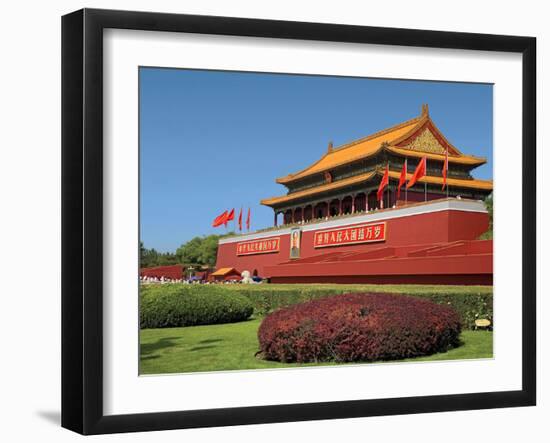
[[261, 246], [372, 232]]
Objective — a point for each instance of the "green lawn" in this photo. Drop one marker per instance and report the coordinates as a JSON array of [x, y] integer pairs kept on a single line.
[[232, 346], [362, 287]]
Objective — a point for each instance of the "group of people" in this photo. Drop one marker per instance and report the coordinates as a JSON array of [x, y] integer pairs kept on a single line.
[[246, 278], [148, 280]]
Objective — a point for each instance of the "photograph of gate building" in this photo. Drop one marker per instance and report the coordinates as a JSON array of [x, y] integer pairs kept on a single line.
[[331, 227], [345, 179]]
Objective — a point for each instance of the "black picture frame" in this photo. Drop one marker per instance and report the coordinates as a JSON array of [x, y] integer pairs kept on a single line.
[[82, 218]]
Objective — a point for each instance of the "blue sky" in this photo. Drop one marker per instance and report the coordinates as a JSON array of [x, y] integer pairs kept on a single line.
[[213, 140]]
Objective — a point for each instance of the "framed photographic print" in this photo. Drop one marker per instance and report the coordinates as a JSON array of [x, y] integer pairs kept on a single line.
[[269, 221]]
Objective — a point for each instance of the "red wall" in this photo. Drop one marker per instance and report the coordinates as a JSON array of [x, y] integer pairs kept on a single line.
[[174, 272], [444, 279], [458, 263], [434, 227]]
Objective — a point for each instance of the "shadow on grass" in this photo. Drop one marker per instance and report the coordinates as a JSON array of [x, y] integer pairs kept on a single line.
[[150, 351], [202, 348], [149, 357], [246, 320], [146, 349], [210, 340]]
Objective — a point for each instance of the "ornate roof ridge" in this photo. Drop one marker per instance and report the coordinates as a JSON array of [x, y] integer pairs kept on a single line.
[[438, 179], [467, 182], [395, 172], [332, 150], [287, 177], [319, 188], [402, 132], [462, 158], [380, 133]]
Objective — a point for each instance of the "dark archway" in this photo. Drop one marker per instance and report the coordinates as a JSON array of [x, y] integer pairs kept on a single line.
[[373, 203], [347, 204], [287, 217], [308, 213], [360, 202], [334, 208], [320, 210]]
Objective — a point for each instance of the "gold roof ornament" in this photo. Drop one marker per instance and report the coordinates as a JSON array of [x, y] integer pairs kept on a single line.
[[425, 110], [413, 138]]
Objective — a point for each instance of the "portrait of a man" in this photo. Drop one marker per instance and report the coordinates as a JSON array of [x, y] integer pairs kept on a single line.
[[295, 243]]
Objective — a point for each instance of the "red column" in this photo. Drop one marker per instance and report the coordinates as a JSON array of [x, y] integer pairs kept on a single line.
[[340, 207], [353, 204], [275, 218]]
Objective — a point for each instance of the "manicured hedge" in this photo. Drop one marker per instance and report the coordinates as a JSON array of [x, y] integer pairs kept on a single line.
[[172, 305], [358, 327], [471, 302]]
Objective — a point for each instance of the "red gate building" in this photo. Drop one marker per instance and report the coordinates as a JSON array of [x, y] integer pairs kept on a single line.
[[334, 229]]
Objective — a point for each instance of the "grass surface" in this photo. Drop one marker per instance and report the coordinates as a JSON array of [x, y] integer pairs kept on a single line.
[[396, 289], [232, 346]]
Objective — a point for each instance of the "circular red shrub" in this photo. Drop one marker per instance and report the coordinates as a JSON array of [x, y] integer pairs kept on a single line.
[[358, 327]]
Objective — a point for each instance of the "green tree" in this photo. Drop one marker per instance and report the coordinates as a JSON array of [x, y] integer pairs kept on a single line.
[[142, 253], [189, 252], [197, 251], [200, 250], [489, 205], [151, 257], [209, 250]]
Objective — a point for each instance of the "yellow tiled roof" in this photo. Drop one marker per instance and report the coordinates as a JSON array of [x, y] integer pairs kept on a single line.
[[385, 139], [356, 150], [223, 271], [462, 159], [486, 185], [318, 189]]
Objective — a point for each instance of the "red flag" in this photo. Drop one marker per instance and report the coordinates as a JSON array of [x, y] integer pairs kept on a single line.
[[402, 178], [241, 219], [383, 183], [445, 168], [219, 220], [248, 220], [229, 217], [419, 172]]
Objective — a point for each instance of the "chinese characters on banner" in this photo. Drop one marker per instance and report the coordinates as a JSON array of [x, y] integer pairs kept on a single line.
[[373, 232], [262, 246]]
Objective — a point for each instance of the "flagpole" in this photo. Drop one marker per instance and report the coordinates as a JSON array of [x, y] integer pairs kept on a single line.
[[406, 180], [446, 170], [425, 191], [426, 182]]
